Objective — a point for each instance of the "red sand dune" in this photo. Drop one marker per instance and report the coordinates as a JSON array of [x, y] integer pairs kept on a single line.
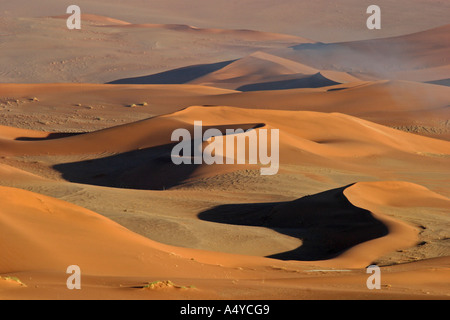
[[120, 259], [262, 67], [303, 130]]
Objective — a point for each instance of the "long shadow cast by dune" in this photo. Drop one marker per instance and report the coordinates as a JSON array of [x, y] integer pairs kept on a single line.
[[176, 76], [327, 223], [51, 136], [442, 82], [312, 81], [146, 169]]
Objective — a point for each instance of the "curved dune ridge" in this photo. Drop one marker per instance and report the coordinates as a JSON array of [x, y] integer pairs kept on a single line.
[[45, 235], [348, 227], [138, 155], [257, 67], [376, 197], [269, 69], [252, 71], [318, 133]]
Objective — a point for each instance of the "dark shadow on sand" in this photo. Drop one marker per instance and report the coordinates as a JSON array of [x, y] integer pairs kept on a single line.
[[176, 76], [146, 169], [442, 82], [312, 81], [51, 136], [327, 223]]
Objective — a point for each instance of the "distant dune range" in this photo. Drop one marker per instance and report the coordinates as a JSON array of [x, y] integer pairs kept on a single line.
[[343, 21], [143, 53], [106, 49], [419, 57], [251, 34]]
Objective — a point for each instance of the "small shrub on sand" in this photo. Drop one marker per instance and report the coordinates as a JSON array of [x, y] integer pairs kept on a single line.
[[14, 279], [165, 284], [134, 105]]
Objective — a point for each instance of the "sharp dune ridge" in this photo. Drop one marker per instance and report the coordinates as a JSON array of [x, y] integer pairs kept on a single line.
[[145, 133]]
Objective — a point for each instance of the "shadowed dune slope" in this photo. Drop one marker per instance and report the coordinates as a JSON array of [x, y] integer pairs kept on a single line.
[[177, 76], [349, 223], [255, 68], [327, 223], [301, 129], [258, 71], [99, 246], [315, 81]]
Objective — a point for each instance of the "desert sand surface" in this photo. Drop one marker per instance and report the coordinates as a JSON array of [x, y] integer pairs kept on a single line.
[[105, 49], [87, 176], [419, 108], [320, 20]]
